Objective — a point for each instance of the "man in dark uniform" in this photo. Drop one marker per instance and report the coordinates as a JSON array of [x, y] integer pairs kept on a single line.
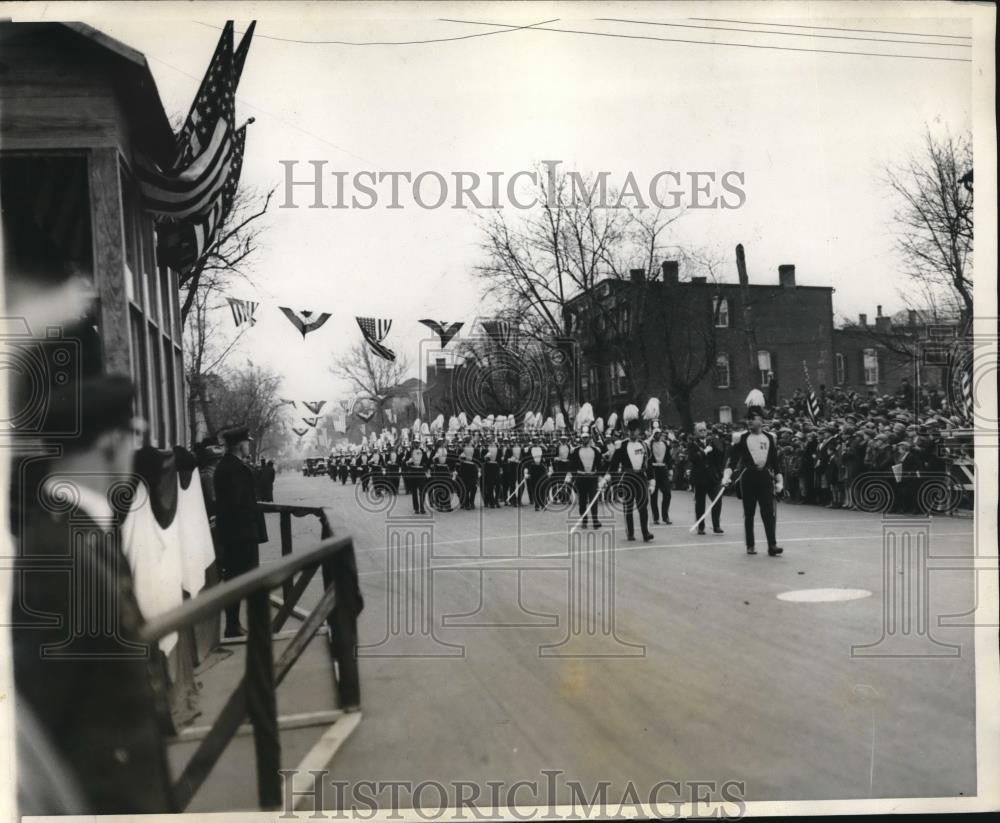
[[585, 467], [755, 457], [468, 474], [706, 460], [560, 465], [418, 466], [98, 696], [535, 471], [663, 466], [237, 519], [513, 488], [392, 469], [491, 475], [631, 459], [443, 474]]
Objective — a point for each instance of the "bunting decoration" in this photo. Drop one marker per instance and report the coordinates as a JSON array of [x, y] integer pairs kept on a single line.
[[968, 405], [243, 311], [444, 330], [375, 331], [501, 332], [305, 320], [366, 416], [310, 421], [299, 431], [314, 406], [282, 401]]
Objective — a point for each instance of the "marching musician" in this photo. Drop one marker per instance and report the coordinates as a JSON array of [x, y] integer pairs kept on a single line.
[[535, 472], [417, 471], [706, 460], [585, 465], [512, 474], [631, 458], [663, 473], [491, 475], [755, 456], [468, 474]]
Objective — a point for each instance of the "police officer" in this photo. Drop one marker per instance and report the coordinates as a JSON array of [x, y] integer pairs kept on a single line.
[[237, 519]]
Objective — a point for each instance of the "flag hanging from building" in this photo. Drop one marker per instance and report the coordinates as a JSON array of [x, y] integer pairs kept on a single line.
[[243, 311], [968, 404], [305, 320], [501, 332], [310, 421], [315, 406], [375, 331], [444, 330], [194, 181]]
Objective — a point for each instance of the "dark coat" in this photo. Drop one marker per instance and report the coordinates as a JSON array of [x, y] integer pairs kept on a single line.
[[706, 463], [576, 464], [102, 702], [620, 462], [739, 455], [237, 520]]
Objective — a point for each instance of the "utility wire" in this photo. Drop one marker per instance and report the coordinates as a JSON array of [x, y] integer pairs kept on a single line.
[[719, 43], [507, 30], [786, 33], [831, 28]]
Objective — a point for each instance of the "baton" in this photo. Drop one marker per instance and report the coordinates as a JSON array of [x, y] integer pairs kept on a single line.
[[584, 515], [711, 505], [518, 486]]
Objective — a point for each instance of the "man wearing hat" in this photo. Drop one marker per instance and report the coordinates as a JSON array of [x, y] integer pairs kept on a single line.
[[755, 457], [491, 474], [663, 466], [631, 458], [238, 522], [99, 696], [706, 459], [585, 467]]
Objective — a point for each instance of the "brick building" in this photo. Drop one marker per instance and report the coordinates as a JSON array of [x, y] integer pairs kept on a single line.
[[712, 341]]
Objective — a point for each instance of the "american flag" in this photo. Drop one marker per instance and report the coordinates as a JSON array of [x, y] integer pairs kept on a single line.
[[812, 403], [968, 405], [500, 332], [443, 329], [314, 406], [310, 421], [204, 154], [305, 320], [374, 331], [243, 311]]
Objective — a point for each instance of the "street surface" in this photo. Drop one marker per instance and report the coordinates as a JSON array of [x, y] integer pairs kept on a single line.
[[486, 664]]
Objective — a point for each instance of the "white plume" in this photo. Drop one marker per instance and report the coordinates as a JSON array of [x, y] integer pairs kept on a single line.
[[453, 423], [560, 421], [438, 424], [755, 398], [463, 421], [599, 425], [549, 425], [425, 430], [612, 421], [652, 410], [631, 413], [584, 417]]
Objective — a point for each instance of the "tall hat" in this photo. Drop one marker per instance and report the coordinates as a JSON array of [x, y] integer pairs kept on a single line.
[[560, 421], [612, 421], [652, 412], [584, 417], [630, 413]]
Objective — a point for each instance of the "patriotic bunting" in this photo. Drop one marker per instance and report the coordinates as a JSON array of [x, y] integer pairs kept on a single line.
[[284, 402], [501, 332], [444, 330], [299, 431], [375, 331], [310, 421], [243, 311], [968, 405], [305, 320], [366, 416], [812, 403], [315, 406]]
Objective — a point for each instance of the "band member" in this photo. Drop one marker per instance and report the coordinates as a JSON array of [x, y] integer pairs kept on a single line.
[[585, 465], [631, 459], [237, 518], [755, 457], [535, 471], [417, 471], [560, 465], [706, 460], [512, 474], [663, 474], [491, 476], [442, 471], [343, 469], [392, 470], [468, 473]]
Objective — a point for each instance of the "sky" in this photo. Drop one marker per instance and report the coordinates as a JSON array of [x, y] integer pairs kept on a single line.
[[811, 132]]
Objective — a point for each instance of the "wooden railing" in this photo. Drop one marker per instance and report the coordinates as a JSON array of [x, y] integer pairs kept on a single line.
[[254, 695]]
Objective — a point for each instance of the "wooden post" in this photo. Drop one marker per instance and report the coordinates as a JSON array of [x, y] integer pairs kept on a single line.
[[286, 548], [262, 704]]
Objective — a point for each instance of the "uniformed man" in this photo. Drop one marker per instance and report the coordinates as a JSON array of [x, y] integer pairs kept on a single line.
[[237, 519], [585, 467], [632, 460], [560, 466], [512, 474], [755, 457], [468, 474], [663, 474], [99, 696], [443, 475], [491, 475], [706, 459], [417, 471], [535, 472]]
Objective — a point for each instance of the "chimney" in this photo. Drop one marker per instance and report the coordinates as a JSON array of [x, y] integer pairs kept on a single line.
[[879, 308], [670, 272], [883, 324], [637, 276], [786, 275], [741, 265], [862, 319]]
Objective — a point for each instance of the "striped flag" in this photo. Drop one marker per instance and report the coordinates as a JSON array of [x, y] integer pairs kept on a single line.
[[444, 330], [314, 406], [305, 320], [243, 311], [375, 331], [968, 405], [500, 332], [812, 403], [200, 169]]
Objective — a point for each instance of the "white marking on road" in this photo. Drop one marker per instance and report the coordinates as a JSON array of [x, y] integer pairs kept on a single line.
[[824, 595], [318, 758]]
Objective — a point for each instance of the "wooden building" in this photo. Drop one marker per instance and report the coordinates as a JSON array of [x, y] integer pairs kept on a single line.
[[77, 111]]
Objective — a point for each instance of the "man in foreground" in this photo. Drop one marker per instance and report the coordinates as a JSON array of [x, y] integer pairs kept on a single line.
[[755, 457]]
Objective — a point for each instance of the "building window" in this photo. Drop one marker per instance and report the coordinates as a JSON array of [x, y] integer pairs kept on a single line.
[[871, 367], [720, 312], [624, 319], [725, 414], [764, 366], [841, 367], [722, 371], [619, 381]]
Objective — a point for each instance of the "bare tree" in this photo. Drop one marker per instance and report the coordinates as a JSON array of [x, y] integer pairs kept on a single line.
[[248, 396], [227, 257], [934, 220], [372, 378]]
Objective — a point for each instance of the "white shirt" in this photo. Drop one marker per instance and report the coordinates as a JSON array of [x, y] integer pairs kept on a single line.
[[536, 453], [636, 454], [659, 451], [758, 445], [587, 456]]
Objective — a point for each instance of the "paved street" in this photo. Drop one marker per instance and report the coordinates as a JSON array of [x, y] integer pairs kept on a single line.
[[715, 677]]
